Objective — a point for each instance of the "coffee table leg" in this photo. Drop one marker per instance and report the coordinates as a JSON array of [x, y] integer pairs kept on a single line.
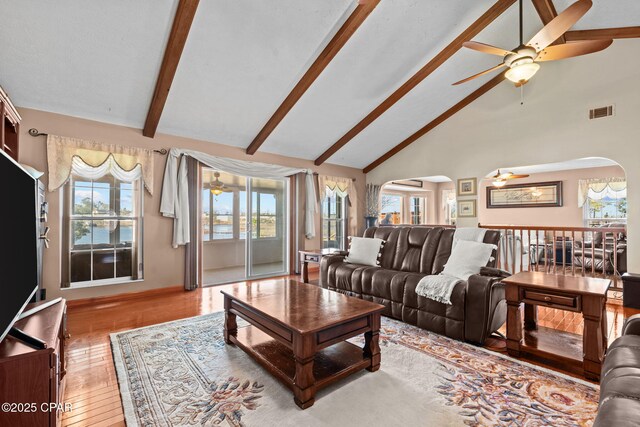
[[304, 382], [371, 343], [230, 324]]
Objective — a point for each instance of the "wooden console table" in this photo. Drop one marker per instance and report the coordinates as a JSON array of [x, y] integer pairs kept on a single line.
[[584, 295], [314, 257]]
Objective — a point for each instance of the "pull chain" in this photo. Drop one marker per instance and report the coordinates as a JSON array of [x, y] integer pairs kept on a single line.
[[522, 94]]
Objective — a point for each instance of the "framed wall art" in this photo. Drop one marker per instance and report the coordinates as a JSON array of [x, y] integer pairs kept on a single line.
[[532, 195], [466, 208], [467, 187]]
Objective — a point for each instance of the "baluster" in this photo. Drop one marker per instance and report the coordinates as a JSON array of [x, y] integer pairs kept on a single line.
[[528, 249], [546, 254], [584, 248], [593, 254], [513, 250], [573, 248], [564, 255], [500, 246], [521, 250], [553, 250], [615, 258]]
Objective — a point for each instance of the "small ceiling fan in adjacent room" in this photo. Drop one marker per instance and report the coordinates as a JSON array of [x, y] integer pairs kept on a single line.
[[523, 60], [217, 187], [500, 179]]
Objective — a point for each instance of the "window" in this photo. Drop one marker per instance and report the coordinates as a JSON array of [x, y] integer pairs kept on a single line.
[[104, 228], [333, 221], [449, 205], [606, 204], [217, 215], [390, 209], [264, 218], [417, 210]]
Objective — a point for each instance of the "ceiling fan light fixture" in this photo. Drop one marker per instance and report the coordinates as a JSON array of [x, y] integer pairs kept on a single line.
[[499, 182], [521, 71], [216, 191]]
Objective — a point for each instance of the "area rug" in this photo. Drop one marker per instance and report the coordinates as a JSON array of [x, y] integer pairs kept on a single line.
[[182, 373]]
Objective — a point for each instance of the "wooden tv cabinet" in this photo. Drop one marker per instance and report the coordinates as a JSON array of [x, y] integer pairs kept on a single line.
[[32, 381]]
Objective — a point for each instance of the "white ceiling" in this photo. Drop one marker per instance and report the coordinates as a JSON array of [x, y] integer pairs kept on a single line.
[[100, 61], [585, 163]]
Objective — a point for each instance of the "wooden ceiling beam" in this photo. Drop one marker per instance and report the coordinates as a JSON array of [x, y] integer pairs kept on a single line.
[[603, 34], [338, 41], [177, 40], [437, 121], [547, 11], [480, 24]]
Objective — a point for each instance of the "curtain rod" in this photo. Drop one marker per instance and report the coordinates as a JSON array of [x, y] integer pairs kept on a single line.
[[352, 179], [34, 132]]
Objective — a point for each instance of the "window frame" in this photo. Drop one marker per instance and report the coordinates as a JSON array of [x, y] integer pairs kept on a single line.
[[137, 250], [402, 207], [343, 220], [422, 209], [596, 222]]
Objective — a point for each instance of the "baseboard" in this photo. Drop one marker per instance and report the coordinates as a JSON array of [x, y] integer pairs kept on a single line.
[[123, 297]]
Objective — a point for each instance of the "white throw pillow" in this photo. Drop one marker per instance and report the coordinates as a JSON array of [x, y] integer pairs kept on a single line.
[[364, 250], [467, 258]]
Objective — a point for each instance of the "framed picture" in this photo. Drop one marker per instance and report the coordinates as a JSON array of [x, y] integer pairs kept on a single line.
[[467, 187], [533, 195], [466, 208]]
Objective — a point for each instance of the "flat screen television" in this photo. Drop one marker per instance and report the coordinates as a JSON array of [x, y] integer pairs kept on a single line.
[[18, 241]]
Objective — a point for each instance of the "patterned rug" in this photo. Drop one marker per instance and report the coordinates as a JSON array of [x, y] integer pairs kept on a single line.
[[182, 374]]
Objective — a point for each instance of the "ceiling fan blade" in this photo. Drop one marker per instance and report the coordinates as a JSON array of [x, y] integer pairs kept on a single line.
[[572, 49], [486, 48], [479, 74], [514, 176], [559, 25]]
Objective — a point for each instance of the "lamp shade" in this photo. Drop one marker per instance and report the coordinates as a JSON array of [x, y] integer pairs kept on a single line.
[[521, 73]]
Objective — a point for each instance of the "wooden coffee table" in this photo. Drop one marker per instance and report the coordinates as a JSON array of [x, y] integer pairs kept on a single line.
[[298, 331], [586, 295]]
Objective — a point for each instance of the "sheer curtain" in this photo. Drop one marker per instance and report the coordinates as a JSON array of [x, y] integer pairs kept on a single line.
[[175, 201]]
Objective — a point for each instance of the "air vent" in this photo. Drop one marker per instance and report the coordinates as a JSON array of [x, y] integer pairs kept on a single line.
[[598, 113]]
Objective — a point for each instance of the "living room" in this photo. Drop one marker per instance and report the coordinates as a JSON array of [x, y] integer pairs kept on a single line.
[[299, 214]]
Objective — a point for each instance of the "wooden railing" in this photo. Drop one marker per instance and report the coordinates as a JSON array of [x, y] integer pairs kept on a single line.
[[576, 251]]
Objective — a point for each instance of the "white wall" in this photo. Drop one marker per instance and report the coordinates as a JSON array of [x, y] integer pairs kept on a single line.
[[495, 131]]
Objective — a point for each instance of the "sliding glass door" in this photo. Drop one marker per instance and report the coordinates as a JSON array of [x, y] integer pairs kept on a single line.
[[267, 248], [244, 227]]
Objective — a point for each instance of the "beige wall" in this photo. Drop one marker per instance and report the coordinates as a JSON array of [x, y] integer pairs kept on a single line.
[[164, 266], [496, 131], [569, 215]]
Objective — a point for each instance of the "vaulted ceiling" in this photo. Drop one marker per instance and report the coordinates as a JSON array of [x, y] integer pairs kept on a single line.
[[242, 59]]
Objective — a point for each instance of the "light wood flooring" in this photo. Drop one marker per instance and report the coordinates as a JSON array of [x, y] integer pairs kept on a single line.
[[92, 386]]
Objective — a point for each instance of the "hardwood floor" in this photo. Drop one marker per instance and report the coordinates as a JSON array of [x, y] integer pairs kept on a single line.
[[92, 386]]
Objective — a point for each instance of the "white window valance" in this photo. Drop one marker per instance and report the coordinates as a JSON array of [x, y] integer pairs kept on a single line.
[[599, 188], [175, 192], [342, 187], [339, 185], [94, 160]]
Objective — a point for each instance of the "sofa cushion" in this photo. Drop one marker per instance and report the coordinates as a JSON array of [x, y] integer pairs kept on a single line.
[[365, 251], [416, 249], [390, 236], [623, 352], [618, 412], [443, 251], [467, 258], [347, 277]]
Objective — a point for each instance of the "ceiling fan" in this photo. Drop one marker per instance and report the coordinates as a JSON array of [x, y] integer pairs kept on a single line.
[[523, 60], [217, 187], [500, 179]]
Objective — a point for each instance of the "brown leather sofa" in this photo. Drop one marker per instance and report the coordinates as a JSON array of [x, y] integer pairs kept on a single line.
[[411, 252], [600, 255], [620, 380]]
